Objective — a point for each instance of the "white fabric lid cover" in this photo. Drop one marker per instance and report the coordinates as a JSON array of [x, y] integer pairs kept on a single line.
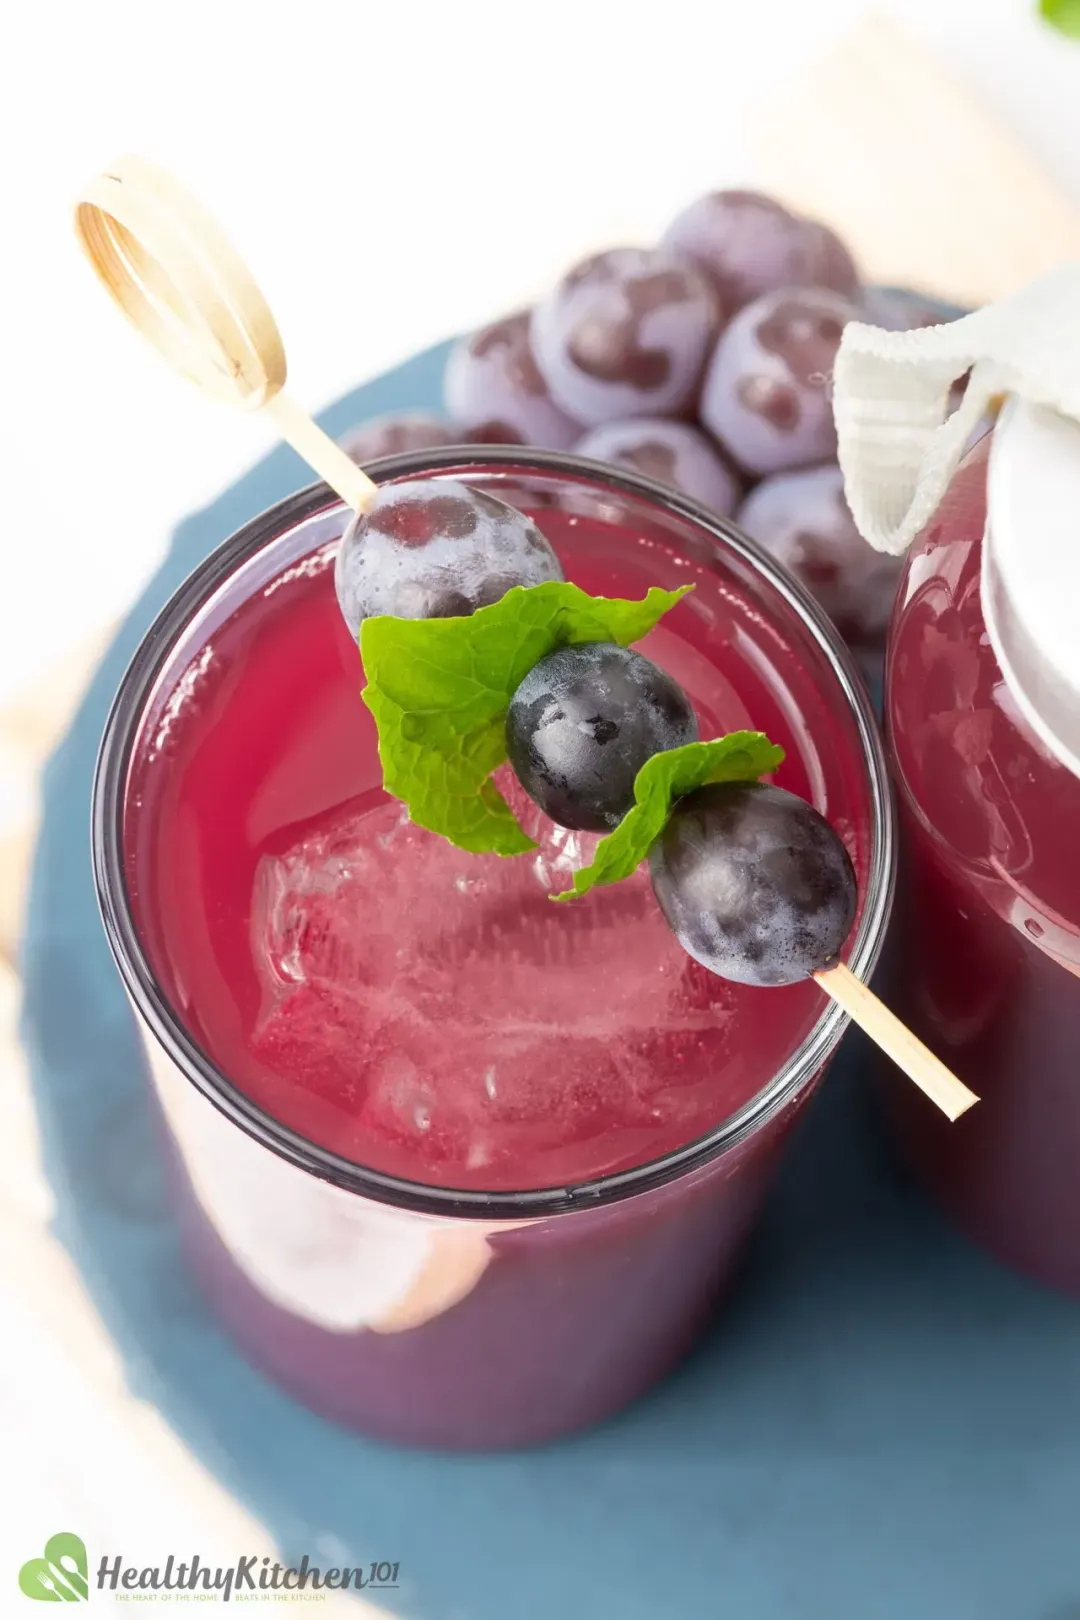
[[898, 449]]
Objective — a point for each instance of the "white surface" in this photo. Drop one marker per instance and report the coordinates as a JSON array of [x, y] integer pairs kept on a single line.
[[393, 174], [78, 1451]]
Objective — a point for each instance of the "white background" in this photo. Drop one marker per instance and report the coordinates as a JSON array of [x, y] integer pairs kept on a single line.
[[394, 171]]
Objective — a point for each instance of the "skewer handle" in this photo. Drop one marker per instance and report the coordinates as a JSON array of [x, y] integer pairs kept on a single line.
[[897, 1041], [321, 453], [172, 272]]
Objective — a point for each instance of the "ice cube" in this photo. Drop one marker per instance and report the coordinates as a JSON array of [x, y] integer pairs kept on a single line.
[[470, 1018]]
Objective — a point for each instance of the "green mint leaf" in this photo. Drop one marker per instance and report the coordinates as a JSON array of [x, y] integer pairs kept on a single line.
[[440, 688], [1063, 15], [741, 756]]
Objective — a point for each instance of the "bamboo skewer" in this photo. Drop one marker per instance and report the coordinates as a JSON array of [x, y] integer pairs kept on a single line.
[[176, 277], [896, 1040], [320, 452]]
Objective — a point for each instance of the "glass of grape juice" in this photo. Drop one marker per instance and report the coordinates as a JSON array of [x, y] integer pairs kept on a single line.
[[454, 1165]]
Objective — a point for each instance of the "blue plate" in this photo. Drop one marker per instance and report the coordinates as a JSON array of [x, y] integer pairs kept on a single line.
[[884, 1426]]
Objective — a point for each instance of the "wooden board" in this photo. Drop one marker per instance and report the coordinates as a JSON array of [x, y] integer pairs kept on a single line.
[[929, 190]]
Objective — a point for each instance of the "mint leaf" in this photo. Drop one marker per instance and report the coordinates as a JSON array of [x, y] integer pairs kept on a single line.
[[741, 756], [440, 688], [1063, 15]]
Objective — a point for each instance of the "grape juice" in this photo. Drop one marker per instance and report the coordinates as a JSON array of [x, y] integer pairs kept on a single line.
[[427, 1012], [988, 954], [431, 1016]]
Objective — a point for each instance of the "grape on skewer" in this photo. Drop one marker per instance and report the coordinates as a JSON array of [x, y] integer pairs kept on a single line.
[[754, 883], [583, 722], [432, 548], [758, 887]]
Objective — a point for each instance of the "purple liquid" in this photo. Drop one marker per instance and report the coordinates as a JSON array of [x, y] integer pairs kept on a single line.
[[988, 944], [433, 1016]]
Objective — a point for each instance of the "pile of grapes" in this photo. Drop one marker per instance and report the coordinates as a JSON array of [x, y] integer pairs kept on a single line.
[[705, 363]]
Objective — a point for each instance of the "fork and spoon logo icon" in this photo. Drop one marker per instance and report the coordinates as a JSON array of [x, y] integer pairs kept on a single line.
[[60, 1576]]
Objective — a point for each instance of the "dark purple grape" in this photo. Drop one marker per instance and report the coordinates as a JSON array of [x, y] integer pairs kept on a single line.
[[754, 883], [626, 333], [494, 390], [898, 309], [749, 245], [671, 452], [803, 520], [433, 549], [767, 392], [581, 725], [391, 435]]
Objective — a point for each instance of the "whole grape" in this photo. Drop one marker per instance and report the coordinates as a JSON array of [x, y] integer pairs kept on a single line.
[[432, 548], [749, 244], [767, 392], [391, 435], [803, 520], [626, 333], [583, 722], [754, 883], [494, 390], [672, 453]]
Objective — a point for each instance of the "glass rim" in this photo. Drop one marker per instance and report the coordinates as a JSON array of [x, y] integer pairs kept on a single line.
[[166, 1026]]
